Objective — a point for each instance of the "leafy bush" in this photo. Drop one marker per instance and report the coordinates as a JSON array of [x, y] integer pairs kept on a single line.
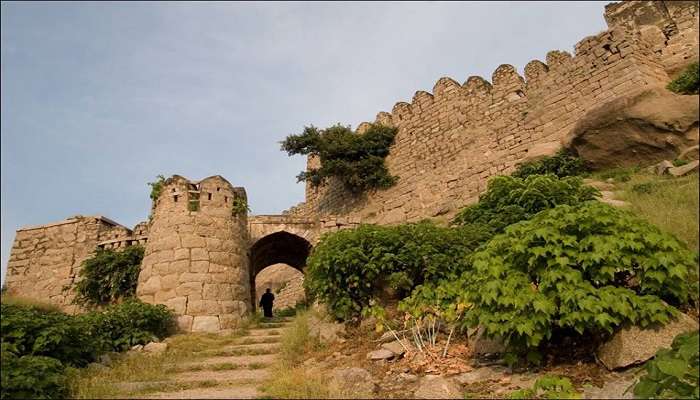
[[31, 377], [121, 326], [510, 199], [356, 160], [562, 164], [156, 187], [548, 387], [240, 207], [674, 372], [348, 268], [109, 276], [688, 82], [589, 268], [29, 330]]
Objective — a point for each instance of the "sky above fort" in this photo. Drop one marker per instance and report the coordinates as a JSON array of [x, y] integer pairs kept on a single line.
[[99, 98]]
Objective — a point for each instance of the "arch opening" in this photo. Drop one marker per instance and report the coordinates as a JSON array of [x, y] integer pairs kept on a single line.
[[276, 248]]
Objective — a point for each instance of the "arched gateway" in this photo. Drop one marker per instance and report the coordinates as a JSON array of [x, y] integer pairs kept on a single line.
[[203, 254]]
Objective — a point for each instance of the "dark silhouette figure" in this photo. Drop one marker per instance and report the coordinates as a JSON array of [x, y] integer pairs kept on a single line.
[[266, 303]]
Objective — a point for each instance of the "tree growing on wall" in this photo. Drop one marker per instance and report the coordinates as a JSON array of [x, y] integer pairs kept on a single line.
[[357, 160]]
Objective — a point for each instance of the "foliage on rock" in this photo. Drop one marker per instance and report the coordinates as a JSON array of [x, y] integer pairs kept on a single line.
[[121, 326], [673, 373], [688, 82], [510, 199], [39, 343], [348, 268], [156, 187], [356, 160], [561, 164], [240, 207], [548, 387], [109, 276], [589, 268]]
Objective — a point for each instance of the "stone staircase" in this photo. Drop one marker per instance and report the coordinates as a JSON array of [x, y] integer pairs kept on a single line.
[[230, 371]]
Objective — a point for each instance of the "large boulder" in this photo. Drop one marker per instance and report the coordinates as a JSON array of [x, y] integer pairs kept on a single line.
[[326, 332], [633, 345], [641, 128]]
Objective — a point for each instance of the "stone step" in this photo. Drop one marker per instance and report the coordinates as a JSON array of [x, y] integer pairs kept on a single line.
[[253, 346], [258, 339], [228, 376], [237, 360], [236, 392], [265, 332]]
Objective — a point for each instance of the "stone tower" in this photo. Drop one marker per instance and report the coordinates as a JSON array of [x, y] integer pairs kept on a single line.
[[195, 260]]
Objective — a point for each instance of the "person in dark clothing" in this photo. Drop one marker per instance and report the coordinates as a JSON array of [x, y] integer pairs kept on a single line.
[[266, 303]]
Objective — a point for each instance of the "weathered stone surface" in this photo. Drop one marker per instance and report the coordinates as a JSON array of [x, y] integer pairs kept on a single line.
[[205, 324], [437, 387], [395, 347], [480, 374], [634, 345], [155, 347], [357, 382], [381, 354], [690, 154], [642, 127], [541, 150]]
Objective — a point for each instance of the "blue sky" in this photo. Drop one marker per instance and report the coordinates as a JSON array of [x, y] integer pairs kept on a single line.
[[99, 98]]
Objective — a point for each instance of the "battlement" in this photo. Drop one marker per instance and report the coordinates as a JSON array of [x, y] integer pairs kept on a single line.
[[451, 141]]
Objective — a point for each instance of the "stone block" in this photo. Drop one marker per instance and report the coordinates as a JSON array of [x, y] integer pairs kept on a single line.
[[193, 241], [206, 324], [199, 266], [202, 307], [199, 254], [151, 286], [189, 288], [169, 281], [181, 254], [177, 304], [184, 323], [194, 277], [163, 295], [179, 266]]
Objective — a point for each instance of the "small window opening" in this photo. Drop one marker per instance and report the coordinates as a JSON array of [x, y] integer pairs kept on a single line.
[[209, 196], [225, 199], [217, 189], [175, 198], [173, 190]]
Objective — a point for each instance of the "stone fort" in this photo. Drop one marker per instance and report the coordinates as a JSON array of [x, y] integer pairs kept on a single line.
[[202, 264]]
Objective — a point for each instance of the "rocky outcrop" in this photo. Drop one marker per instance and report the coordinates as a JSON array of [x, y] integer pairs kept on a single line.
[[437, 387], [357, 382], [633, 345], [640, 128]]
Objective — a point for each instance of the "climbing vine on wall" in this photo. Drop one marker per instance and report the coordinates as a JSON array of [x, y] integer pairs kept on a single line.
[[357, 160], [240, 207], [109, 276]]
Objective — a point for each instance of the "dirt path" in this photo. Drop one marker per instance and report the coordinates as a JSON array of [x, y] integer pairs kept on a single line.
[[228, 371]]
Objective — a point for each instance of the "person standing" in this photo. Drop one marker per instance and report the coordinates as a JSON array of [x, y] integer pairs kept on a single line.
[[266, 303]]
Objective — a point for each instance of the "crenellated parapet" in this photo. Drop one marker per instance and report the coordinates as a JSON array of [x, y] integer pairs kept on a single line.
[[452, 140]]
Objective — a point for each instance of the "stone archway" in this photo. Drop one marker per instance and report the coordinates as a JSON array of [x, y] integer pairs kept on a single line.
[[277, 248]]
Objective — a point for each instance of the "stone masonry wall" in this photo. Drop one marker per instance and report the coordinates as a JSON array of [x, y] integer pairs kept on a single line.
[[196, 261], [45, 260], [451, 141]]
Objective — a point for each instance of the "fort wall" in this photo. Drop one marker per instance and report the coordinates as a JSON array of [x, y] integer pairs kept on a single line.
[[45, 259], [451, 141]]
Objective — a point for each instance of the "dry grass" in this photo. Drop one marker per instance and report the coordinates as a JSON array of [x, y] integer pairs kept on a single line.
[[667, 202], [91, 383], [28, 302]]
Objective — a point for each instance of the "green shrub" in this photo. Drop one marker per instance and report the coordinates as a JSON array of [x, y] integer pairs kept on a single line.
[[156, 187], [548, 387], [356, 160], [509, 199], [109, 276], [348, 268], [31, 377], [679, 162], [562, 164], [688, 82], [32, 331], [240, 207], [121, 326], [590, 268], [674, 372]]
